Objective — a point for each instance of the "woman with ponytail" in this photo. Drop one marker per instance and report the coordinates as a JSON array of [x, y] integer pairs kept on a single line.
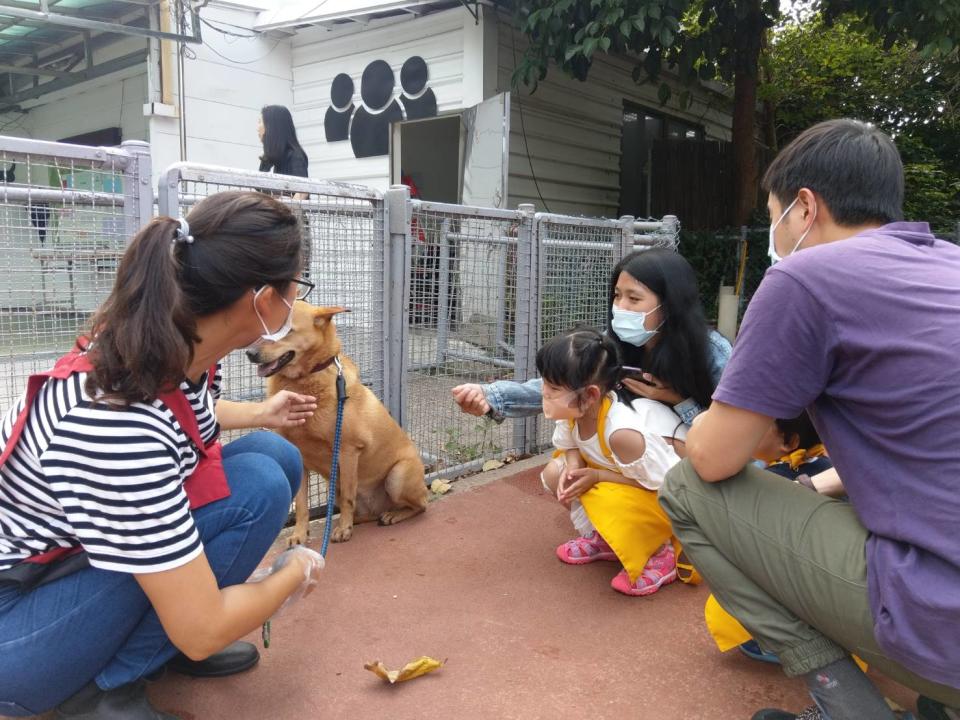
[[127, 532]]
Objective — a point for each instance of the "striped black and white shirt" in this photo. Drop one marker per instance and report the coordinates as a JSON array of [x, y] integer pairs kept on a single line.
[[108, 480]]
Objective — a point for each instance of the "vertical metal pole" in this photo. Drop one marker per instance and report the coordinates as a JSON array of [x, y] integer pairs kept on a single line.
[[671, 227], [137, 187], [526, 333], [396, 297], [443, 293], [626, 236], [378, 252], [499, 342]]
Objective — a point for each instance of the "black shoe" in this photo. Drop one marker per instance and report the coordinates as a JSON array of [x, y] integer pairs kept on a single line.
[[235, 658], [128, 702], [811, 713]]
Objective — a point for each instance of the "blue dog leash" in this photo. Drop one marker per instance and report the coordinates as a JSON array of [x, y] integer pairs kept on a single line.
[[335, 462], [334, 472]]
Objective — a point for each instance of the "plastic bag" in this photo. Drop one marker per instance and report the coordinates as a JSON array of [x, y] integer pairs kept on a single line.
[[311, 573]]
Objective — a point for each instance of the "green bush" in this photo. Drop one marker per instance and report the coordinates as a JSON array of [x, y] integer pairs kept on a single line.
[[931, 194], [715, 257]]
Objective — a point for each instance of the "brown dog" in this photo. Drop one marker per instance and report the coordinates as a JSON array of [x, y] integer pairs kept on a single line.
[[381, 474]]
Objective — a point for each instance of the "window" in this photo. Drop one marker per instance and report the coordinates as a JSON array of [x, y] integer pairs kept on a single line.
[[641, 128]]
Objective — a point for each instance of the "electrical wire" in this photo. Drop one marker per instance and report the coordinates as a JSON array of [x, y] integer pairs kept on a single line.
[[244, 62], [523, 126], [210, 24]]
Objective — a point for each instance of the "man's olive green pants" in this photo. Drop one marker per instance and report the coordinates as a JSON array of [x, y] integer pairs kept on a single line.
[[789, 564]]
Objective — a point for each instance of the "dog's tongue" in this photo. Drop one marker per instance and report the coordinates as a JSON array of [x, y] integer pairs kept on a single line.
[[267, 368]]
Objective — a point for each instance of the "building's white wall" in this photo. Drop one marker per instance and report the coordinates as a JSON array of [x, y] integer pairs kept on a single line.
[[224, 94], [225, 86], [573, 130], [319, 55]]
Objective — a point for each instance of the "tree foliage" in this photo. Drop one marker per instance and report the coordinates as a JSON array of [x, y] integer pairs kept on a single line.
[[702, 39], [844, 68], [696, 39], [706, 40]]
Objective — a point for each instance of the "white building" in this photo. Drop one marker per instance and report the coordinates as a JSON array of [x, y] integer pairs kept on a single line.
[[572, 147]]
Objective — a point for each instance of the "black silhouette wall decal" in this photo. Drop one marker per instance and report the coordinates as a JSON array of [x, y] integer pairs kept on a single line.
[[367, 125], [417, 102], [336, 123], [370, 129]]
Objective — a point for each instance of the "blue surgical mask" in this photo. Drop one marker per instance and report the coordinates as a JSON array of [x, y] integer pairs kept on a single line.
[[631, 327]]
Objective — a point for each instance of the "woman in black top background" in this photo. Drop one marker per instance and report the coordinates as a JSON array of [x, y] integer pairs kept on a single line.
[[282, 153]]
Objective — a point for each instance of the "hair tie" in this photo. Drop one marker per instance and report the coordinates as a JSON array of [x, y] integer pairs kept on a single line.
[[182, 233]]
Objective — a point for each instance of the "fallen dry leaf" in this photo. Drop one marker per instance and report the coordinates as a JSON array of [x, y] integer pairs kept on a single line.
[[492, 465], [439, 487], [413, 669]]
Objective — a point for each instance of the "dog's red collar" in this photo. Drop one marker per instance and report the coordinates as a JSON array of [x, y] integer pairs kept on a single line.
[[323, 365]]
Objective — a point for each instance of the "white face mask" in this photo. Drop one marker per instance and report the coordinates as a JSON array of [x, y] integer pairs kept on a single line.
[[562, 407], [281, 332], [772, 250]]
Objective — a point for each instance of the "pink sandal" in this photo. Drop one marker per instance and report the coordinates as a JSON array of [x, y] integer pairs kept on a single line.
[[660, 570], [583, 550]]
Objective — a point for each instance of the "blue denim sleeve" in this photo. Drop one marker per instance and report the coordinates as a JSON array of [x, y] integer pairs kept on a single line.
[[720, 350], [509, 399]]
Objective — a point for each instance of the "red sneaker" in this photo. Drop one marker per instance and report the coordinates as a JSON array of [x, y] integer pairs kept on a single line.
[[583, 550], [660, 570]]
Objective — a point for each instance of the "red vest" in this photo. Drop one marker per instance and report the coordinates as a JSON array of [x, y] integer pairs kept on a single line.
[[207, 483]]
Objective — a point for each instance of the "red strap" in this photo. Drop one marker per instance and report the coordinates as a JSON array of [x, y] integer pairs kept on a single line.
[[64, 367], [208, 481], [51, 556]]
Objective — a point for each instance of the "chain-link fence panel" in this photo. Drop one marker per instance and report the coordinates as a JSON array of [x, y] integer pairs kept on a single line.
[[464, 315], [576, 257], [66, 213], [450, 295], [343, 256]]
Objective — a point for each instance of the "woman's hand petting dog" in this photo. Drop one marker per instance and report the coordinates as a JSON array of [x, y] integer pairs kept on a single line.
[[286, 409]]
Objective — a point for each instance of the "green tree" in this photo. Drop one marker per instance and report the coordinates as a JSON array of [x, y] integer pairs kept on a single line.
[[823, 70], [707, 39]]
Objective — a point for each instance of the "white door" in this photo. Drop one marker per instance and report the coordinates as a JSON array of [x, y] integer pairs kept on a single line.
[[486, 148]]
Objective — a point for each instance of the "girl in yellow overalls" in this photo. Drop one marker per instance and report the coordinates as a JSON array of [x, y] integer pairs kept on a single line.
[[611, 459]]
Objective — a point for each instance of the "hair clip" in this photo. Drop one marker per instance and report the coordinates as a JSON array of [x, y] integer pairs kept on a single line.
[[182, 233]]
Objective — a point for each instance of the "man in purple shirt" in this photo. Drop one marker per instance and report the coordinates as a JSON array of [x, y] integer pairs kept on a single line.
[[859, 325]]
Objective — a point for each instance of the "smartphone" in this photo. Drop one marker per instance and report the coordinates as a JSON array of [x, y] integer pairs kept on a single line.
[[634, 373]]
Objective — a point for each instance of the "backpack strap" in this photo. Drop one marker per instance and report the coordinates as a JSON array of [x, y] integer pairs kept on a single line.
[[605, 404]]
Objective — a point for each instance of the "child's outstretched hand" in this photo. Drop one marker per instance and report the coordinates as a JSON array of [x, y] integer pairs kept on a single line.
[[471, 399], [576, 482]]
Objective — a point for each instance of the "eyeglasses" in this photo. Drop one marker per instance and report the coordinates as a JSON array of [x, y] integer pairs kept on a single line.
[[304, 287]]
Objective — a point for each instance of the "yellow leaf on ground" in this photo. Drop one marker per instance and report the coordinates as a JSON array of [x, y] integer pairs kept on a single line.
[[492, 465], [439, 486], [413, 669]]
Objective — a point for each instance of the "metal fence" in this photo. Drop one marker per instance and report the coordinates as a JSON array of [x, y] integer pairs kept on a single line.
[[65, 215], [439, 295], [468, 321], [344, 255]]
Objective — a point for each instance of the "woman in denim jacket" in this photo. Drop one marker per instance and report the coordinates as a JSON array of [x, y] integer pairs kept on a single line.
[[656, 317]]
